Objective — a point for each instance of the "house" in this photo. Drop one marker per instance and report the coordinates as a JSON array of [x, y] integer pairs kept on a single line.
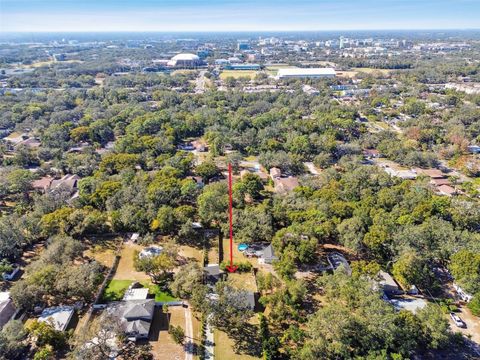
[[268, 255], [199, 146], [212, 273], [14, 139], [9, 276], [264, 252], [446, 190], [79, 148], [150, 251], [403, 174], [262, 175], [7, 309], [371, 153], [59, 316], [431, 173], [388, 284], [42, 184], [135, 317], [335, 260], [275, 173], [439, 182], [68, 181], [284, 185], [31, 143]]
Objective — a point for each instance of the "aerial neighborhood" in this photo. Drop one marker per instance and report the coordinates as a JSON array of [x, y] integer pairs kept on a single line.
[[240, 196]]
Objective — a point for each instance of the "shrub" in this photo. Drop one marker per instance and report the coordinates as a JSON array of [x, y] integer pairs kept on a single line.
[[242, 266], [474, 305], [177, 333]]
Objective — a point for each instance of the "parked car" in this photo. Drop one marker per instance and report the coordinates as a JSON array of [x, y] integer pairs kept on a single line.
[[9, 276], [456, 319]]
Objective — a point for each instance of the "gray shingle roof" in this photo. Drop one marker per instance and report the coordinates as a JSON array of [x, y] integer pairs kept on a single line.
[[141, 327], [139, 309]]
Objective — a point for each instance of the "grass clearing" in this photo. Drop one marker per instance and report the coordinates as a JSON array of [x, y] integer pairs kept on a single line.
[[183, 71], [224, 348], [116, 289], [237, 74], [373, 71], [243, 281], [191, 253], [237, 254], [160, 295], [126, 269], [103, 252]]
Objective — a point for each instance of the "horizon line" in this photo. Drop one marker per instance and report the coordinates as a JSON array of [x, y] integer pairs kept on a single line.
[[230, 31]]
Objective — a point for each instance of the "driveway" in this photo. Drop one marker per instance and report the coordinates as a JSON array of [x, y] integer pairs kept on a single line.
[[210, 343], [472, 322], [189, 344]]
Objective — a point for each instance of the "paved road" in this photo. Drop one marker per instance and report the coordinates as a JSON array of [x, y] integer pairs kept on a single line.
[[200, 83], [189, 345]]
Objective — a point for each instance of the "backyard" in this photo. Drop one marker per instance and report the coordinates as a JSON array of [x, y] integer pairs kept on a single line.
[[224, 348], [116, 289]]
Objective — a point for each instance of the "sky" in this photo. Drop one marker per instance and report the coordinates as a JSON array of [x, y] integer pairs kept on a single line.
[[235, 15]]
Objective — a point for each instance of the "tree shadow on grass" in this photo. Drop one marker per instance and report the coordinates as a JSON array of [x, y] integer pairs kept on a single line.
[[246, 340]]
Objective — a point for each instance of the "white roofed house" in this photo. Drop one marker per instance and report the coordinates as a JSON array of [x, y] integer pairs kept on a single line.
[[59, 316]]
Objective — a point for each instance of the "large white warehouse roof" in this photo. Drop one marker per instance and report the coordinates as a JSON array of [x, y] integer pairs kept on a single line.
[[306, 72]]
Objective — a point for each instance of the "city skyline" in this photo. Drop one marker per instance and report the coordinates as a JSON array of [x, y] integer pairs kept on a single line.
[[215, 15]]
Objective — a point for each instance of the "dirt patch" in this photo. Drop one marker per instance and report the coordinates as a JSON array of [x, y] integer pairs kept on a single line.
[[245, 281], [103, 253], [125, 269], [224, 348], [163, 346], [472, 322], [190, 253]]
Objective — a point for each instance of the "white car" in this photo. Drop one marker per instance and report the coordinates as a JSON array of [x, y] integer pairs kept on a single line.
[[456, 319]]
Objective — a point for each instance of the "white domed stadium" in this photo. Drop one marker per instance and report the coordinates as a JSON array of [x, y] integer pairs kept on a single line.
[[185, 60]]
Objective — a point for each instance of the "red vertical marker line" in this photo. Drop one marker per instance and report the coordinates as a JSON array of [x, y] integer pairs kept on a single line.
[[231, 267]]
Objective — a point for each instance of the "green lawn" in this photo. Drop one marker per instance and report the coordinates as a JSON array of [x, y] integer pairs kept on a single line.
[[116, 289], [160, 296], [237, 74]]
